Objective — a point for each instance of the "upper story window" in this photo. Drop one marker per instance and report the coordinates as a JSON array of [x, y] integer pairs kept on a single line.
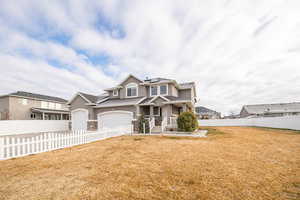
[[24, 101], [163, 89], [58, 106], [131, 90], [44, 104], [158, 90], [115, 92], [51, 105], [154, 90]]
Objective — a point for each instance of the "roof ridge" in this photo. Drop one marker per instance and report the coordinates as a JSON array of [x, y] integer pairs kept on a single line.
[[36, 95], [272, 104]]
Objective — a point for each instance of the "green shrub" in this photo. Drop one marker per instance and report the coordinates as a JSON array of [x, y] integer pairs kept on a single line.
[[187, 121], [142, 120]]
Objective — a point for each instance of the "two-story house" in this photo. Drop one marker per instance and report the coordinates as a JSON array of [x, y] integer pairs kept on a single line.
[[157, 98], [29, 106]]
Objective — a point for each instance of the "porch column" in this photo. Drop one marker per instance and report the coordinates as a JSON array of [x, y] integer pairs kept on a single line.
[[151, 111], [43, 116], [61, 116], [138, 111]]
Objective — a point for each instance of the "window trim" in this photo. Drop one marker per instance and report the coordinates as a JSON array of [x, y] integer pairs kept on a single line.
[[132, 85], [158, 90], [166, 90], [117, 94], [152, 95]]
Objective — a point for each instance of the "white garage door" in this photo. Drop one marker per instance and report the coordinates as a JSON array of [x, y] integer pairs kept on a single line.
[[79, 119], [115, 119]]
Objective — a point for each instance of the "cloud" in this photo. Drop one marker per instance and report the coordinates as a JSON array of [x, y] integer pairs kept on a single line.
[[238, 52]]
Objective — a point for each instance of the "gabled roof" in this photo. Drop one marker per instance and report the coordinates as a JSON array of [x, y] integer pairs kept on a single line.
[[159, 96], [37, 96], [168, 99], [89, 98], [273, 108], [41, 110], [187, 85], [120, 102], [119, 85], [202, 110]]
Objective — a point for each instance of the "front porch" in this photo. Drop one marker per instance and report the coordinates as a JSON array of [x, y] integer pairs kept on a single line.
[[163, 116], [49, 114]]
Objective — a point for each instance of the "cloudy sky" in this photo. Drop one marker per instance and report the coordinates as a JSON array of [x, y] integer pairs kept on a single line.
[[237, 51]]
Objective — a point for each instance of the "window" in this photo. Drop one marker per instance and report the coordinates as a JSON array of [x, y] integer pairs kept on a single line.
[[156, 111], [158, 90], [32, 116], [131, 90], [24, 101], [44, 104], [153, 90], [58, 106], [163, 90], [51, 105], [115, 92]]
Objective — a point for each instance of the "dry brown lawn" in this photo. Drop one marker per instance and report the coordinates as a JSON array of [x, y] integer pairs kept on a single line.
[[243, 163]]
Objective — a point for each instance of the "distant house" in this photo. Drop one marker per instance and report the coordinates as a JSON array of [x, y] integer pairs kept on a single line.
[[28, 106], [205, 113], [232, 116], [270, 110]]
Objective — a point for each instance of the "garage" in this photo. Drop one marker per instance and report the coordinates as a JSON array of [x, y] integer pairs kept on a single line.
[[115, 119], [79, 119]]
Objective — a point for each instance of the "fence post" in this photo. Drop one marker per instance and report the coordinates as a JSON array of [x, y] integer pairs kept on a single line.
[[144, 128]]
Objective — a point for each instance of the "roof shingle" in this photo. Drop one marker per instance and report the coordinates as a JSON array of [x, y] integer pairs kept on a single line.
[[37, 96]]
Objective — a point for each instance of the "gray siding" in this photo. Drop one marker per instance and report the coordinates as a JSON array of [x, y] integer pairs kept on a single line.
[[79, 102], [18, 111], [185, 94], [141, 89], [172, 90]]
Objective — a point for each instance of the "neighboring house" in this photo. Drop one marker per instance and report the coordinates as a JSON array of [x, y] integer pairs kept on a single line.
[[270, 110], [26, 106], [232, 116], [158, 98], [205, 113]]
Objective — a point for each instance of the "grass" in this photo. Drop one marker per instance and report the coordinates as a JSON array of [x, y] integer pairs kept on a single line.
[[279, 129], [233, 163], [211, 130]]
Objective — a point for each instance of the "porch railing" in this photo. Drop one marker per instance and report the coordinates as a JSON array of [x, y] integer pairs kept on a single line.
[[164, 124], [151, 124], [173, 122]]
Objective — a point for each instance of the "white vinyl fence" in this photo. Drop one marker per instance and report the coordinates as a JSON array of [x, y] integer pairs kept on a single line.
[[287, 122], [12, 146], [9, 127]]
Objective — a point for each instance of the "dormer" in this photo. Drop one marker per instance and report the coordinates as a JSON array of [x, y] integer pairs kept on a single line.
[[130, 87], [132, 90]]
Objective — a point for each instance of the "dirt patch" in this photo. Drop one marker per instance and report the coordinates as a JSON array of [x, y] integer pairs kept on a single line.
[[242, 163]]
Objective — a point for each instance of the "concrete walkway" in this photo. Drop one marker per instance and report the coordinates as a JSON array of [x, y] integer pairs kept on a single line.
[[200, 133]]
